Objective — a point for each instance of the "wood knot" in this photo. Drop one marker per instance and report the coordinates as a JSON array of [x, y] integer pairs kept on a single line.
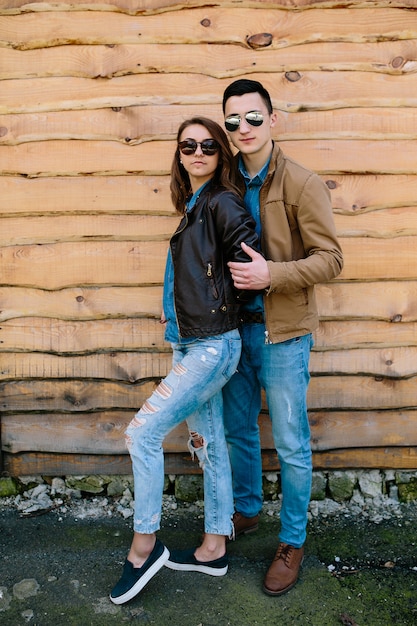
[[397, 318], [260, 40], [116, 109], [80, 298], [332, 184], [206, 22], [397, 62], [292, 77], [3, 131]]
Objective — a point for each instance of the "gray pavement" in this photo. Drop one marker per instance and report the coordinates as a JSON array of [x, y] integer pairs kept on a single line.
[[58, 569]]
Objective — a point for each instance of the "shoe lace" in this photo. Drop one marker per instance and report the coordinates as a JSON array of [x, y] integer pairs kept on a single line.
[[284, 552]]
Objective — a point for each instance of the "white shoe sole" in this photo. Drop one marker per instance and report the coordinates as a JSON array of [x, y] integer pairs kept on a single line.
[[204, 569]]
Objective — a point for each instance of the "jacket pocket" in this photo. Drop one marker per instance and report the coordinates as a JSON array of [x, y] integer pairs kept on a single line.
[[210, 276]]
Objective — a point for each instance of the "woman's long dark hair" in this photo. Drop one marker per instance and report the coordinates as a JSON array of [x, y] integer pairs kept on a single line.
[[180, 181]]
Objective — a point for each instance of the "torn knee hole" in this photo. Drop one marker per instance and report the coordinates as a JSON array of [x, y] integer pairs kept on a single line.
[[197, 440]]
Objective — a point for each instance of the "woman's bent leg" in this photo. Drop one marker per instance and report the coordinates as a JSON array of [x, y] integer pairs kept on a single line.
[[200, 370]]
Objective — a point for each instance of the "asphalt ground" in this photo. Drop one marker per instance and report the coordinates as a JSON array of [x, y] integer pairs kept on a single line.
[[59, 569]]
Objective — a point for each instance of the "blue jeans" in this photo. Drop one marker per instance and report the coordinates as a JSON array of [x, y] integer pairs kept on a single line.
[[191, 391], [282, 370]]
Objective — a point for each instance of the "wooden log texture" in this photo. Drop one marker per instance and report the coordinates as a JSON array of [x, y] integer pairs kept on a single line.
[[53, 464], [85, 158], [91, 96], [103, 432], [207, 25], [149, 7]]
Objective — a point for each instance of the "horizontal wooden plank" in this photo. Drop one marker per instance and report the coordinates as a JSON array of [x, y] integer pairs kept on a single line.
[[361, 393], [131, 194], [389, 362], [73, 158], [131, 367], [384, 223], [103, 432], [390, 57], [133, 7], [55, 336], [81, 303], [46, 392], [72, 395], [60, 228], [30, 464], [367, 458], [63, 265], [134, 366], [351, 194], [379, 259], [388, 223], [65, 337], [115, 263], [333, 335], [34, 334], [362, 429], [341, 89], [23, 230], [86, 433], [385, 300], [208, 24], [392, 302], [142, 124], [364, 192], [149, 7]]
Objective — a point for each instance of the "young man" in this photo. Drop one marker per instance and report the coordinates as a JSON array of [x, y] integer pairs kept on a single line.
[[291, 206]]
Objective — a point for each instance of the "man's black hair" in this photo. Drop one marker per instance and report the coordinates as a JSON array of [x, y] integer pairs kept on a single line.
[[244, 85]]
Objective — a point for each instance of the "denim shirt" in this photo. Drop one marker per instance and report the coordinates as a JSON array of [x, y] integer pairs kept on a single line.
[[171, 330], [251, 199]]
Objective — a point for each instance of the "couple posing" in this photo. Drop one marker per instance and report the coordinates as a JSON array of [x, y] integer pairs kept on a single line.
[[239, 311]]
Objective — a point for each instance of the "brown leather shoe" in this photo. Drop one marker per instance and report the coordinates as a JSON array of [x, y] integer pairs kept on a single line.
[[244, 525], [283, 572]]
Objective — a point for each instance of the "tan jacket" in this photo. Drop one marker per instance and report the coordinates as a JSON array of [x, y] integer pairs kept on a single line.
[[300, 244]]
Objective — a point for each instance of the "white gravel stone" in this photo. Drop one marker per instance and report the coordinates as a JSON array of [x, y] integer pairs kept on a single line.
[[26, 588]]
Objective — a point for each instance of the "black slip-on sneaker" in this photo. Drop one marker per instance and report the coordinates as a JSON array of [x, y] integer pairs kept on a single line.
[[185, 561], [134, 579]]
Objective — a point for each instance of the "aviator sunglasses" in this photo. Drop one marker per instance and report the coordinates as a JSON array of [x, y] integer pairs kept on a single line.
[[254, 118], [208, 146]]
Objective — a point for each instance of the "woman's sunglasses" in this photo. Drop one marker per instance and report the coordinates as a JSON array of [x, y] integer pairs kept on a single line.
[[254, 118], [208, 146]]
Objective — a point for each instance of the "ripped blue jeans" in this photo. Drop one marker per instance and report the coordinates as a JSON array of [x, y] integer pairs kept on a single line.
[[193, 391]]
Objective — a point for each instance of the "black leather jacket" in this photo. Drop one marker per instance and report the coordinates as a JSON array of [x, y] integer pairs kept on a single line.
[[206, 303]]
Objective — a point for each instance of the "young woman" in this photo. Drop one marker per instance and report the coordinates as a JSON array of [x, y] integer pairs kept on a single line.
[[200, 310]]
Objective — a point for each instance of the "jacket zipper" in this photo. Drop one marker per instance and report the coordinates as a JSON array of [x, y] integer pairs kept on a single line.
[[209, 273]]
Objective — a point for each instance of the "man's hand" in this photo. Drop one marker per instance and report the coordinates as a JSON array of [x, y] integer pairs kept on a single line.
[[251, 275]]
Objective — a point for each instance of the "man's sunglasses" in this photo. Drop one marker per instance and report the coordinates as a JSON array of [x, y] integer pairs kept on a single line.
[[254, 118], [208, 146]]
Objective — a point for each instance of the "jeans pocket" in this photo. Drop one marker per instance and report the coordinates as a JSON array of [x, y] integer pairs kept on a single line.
[[234, 347]]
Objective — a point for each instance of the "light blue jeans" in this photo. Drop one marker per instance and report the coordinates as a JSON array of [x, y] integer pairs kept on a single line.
[[282, 370], [193, 391]]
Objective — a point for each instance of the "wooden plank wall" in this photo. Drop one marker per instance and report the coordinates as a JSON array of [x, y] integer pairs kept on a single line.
[[91, 95]]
